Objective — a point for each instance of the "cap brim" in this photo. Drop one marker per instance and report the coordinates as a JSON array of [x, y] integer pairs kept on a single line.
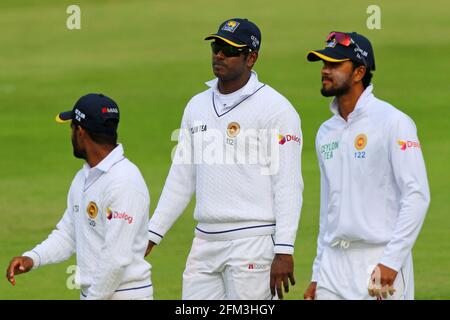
[[234, 44], [63, 117], [326, 55]]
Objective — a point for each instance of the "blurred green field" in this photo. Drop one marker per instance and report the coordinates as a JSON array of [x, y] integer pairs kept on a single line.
[[151, 58]]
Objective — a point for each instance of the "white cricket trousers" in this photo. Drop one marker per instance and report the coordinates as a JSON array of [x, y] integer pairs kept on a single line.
[[346, 268], [229, 269]]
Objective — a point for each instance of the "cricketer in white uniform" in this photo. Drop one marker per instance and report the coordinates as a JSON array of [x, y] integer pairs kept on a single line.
[[374, 189], [239, 151], [106, 219]]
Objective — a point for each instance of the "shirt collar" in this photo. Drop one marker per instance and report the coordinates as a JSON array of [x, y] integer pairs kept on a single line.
[[250, 87], [105, 165], [362, 102]]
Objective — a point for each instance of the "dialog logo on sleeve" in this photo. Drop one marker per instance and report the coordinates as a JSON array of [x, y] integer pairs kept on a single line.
[[288, 137], [111, 214], [408, 144]]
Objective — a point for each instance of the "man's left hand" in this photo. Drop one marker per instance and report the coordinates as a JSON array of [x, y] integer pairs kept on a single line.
[[381, 283], [282, 269]]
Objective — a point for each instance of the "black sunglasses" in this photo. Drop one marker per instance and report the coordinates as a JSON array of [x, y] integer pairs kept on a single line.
[[228, 50]]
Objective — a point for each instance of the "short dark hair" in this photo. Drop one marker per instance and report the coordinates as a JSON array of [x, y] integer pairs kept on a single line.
[[105, 138], [367, 77]]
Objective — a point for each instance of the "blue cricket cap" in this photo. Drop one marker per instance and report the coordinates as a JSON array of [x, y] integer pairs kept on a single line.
[[92, 112], [239, 33]]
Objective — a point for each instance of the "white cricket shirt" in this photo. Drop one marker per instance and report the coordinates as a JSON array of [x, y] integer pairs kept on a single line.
[[105, 224], [374, 186], [244, 167]]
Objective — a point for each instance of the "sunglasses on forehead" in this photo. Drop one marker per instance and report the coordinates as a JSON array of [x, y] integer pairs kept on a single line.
[[228, 50], [346, 41], [340, 37]]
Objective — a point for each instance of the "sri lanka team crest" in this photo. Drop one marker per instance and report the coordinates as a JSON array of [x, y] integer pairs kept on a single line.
[[233, 129], [230, 26], [360, 141], [92, 210]]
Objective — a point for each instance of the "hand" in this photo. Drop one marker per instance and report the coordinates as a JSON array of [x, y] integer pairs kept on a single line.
[[310, 292], [149, 248], [381, 282], [282, 269], [18, 265]]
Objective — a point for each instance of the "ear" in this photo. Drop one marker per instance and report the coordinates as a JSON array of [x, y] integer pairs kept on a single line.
[[251, 59], [359, 73], [81, 132]]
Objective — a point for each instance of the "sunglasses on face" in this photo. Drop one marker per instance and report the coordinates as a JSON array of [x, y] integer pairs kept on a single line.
[[346, 41], [227, 50]]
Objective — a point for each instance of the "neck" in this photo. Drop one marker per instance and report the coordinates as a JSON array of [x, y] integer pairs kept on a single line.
[[96, 153], [347, 102], [230, 86]]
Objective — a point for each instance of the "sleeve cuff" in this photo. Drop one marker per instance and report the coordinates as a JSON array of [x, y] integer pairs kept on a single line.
[[315, 277], [154, 236], [284, 249], [390, 263], [35, 257]]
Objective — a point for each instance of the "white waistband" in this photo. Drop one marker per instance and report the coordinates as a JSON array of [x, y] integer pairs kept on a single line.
[[234, 230], [131, 290], [347, 244]]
